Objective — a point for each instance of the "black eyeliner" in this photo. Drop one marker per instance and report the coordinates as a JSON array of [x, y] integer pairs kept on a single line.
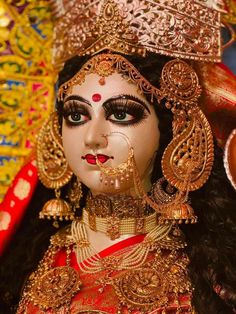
[[121, 106], [73, 107], [128, 97]]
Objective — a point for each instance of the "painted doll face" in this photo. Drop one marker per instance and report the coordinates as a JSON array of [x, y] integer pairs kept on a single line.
[[104, 121]]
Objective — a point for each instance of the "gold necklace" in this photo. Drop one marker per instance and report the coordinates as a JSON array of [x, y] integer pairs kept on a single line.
[[122, 206], [90, 261], [117, 216]]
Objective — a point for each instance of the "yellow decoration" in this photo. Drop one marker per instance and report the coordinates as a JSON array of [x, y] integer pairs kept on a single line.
[[230, 16], [26, 81]]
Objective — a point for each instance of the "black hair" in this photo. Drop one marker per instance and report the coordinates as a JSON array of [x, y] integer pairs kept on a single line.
[[211, 242]]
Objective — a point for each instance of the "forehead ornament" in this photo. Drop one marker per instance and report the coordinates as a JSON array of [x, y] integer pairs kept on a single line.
[[102, 81], [105, 65]]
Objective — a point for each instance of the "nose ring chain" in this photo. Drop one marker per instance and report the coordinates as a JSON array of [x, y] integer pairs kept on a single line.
[[115, 176]]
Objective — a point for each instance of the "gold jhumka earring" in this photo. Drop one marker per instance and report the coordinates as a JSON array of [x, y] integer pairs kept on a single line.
[[54, 171]]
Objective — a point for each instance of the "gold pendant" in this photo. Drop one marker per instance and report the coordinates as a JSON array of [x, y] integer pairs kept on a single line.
[[156, 284], [147, 292], [55, 288]]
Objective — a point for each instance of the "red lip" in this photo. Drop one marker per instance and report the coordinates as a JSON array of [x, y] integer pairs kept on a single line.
[[102, 158], [91, 159]]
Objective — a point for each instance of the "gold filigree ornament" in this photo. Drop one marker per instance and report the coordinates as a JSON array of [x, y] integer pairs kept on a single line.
[[115, 176], [154, 284], [53, 169], [104, 65], [188, 159], [52, 288], [187, 29], [55, 288]]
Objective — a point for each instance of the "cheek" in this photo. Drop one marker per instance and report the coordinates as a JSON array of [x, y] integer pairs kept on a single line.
[[72, 147], [145, 145]]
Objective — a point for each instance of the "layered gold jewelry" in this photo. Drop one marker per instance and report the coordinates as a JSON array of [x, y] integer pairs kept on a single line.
[[89, 260], [183, 29], [115, 221], [156, 282]]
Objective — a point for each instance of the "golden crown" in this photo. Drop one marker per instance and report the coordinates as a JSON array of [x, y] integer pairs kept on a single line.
[[187, 29]]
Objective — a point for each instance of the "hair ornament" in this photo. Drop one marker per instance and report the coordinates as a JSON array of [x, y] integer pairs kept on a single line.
[[104, 65]]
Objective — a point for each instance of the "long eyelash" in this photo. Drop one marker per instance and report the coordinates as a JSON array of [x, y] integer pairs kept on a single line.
[[127, 106], [73, 106]]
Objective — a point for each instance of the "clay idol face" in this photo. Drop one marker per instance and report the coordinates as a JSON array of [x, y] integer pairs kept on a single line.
[[103, 120]]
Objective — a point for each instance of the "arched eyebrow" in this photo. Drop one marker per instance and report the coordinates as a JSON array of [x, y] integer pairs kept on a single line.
[[128, 97], [77, 97]]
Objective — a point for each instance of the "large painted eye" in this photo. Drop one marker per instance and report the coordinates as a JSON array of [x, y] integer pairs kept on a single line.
[[77, 117], [124, 112], [75, 113], [121, 116]]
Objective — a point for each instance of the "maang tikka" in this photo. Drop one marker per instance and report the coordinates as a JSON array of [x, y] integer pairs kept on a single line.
[[54, 171]]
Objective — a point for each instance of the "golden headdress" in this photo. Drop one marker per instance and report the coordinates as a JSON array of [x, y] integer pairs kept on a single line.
[[183, 29]]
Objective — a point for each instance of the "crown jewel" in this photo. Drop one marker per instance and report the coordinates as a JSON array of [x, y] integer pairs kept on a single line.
[[187, 29]]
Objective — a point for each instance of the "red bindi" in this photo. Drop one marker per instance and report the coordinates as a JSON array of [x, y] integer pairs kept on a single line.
[[96, 97]]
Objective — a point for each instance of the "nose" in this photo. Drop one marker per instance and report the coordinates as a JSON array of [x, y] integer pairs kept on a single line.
[[95, 137]]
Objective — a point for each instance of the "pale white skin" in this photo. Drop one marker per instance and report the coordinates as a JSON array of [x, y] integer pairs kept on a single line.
[[100, 134]]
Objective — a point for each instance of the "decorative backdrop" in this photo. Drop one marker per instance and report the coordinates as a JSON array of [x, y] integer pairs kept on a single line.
[[26, 81]]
